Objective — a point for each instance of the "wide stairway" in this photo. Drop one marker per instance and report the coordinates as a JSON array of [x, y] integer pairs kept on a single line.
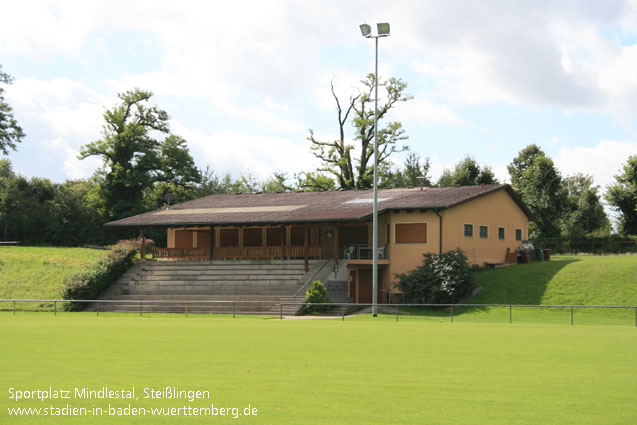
[[243, 286]]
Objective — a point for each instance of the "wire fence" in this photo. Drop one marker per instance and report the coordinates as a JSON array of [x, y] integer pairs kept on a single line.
[[440, 312]]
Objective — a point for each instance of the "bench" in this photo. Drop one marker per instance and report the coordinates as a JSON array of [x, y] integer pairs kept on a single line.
[[9, 243]]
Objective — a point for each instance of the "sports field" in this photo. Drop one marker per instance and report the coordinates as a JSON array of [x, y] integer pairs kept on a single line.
[[325, 371]]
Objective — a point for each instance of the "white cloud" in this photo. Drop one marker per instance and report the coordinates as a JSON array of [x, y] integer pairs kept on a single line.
[[424, 112], [75, 168], [602, 161], [67, 108], [240, 152]]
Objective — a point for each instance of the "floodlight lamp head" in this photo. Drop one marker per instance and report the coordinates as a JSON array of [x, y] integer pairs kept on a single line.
[[383, 29], [366, 30]]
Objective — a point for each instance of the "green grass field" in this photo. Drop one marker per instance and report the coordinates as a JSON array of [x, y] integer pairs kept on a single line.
[[38, 272], [362, 371]]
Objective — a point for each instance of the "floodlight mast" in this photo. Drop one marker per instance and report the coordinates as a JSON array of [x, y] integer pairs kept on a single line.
[[382, 31]]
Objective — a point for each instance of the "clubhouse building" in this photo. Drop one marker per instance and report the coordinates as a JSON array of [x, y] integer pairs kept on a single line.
[[488, 222]]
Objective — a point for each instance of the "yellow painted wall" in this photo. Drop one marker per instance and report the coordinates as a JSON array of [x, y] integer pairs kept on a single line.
[[494, 210], [405, 257]]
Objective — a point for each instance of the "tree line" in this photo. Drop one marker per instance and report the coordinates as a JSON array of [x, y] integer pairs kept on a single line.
[[145, 166]]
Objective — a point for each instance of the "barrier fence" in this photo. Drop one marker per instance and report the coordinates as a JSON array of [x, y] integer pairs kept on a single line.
[[335, 310]]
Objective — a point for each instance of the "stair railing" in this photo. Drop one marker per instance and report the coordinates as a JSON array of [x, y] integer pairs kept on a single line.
[[302, 289]]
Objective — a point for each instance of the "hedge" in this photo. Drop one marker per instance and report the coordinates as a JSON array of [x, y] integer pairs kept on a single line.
[[614, 244], [90, 283]]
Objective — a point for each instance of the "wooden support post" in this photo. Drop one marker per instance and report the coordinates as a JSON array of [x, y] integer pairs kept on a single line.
[[282, 241], [211, 244], [143, 253], [336, 244], [305, 251]]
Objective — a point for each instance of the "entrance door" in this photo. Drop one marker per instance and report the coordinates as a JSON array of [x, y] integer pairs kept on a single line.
[[352, 285], [365, 286]]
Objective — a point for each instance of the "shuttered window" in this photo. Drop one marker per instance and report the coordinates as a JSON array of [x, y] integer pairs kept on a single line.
[[410, 232]]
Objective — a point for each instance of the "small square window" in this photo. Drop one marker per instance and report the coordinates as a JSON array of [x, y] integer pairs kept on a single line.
[[468, 230], [501, 233], [518, 234], [484, 232]]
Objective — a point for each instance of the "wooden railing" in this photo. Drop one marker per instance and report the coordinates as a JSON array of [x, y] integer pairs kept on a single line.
[[186, 254], [236, 253]]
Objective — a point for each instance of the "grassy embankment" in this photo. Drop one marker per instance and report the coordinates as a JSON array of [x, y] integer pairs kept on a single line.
[[39, 272], [565, 280]]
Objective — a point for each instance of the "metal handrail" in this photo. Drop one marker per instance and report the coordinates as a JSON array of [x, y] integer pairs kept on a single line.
[[359, 248], [303, 288]]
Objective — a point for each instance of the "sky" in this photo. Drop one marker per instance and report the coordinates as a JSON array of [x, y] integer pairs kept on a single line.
[[244, 81]]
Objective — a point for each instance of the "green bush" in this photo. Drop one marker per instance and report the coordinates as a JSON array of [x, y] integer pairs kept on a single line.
[[614, 244], [316, 293], [441, 279], [90, 283]]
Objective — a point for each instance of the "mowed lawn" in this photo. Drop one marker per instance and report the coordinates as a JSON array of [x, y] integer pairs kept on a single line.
[[327, 371], [38, 272]]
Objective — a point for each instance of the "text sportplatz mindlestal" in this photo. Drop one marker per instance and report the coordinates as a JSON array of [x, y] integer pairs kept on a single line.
[[163, 393]]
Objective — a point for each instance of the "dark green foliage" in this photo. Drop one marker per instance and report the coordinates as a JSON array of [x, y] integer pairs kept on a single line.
[[613, 244], [10, 132], [134, 160], [414, 174], [584, 213], [539, 184], [622, 196], [467, 173], [316, 293], [441, 279], [91, 282]]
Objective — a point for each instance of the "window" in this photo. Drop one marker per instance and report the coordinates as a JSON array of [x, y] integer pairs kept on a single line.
[[484, 232], [501, 233], [229, 238], [410, 232], [518, 234], [468, 230]]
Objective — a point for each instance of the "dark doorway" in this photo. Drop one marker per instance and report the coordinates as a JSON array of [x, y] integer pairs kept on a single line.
[[352, 284], [365, 286]]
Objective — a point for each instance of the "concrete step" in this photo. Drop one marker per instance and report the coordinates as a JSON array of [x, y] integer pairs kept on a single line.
[[256, 286], [219, 277]]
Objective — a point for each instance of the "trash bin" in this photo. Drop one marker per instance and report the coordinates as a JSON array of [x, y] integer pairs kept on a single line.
[[539, 255], [547, 254]]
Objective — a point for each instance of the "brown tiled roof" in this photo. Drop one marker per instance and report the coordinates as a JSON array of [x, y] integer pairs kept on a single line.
[[296, 207]]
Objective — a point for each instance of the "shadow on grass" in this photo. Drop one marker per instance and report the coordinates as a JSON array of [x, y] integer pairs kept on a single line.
[[520, 284]]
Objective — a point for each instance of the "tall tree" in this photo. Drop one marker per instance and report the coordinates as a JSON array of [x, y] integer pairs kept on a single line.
[[414, 173], [467, 172], [584, 213], [10, 132], [337, 156], [622, 196], [8, 195], [133, 158], [539, 183]]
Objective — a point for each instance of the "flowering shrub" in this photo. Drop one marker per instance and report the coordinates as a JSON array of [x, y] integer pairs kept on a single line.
[[91, 282], [134, 244], [442, 279]]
